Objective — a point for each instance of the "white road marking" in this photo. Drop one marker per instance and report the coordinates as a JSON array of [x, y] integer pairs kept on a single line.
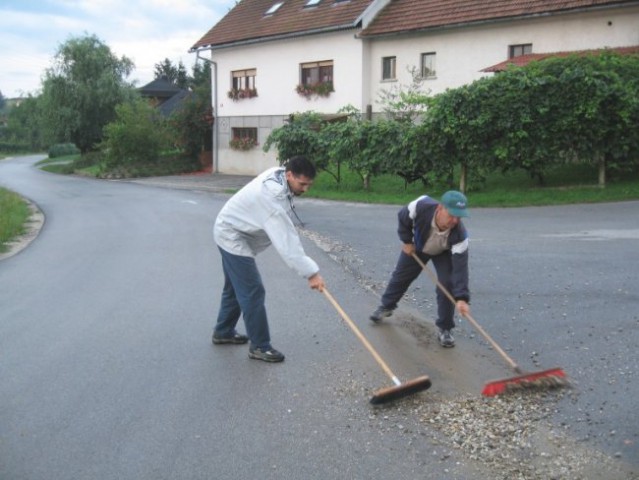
[[631, 234]]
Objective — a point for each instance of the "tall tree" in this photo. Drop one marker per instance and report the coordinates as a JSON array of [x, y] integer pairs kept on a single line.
[[24, 124], [81, 89], [191, 124], [201, 77], [2, 101], [175, 74]]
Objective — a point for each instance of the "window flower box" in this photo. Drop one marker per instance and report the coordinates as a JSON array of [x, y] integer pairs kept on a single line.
[[243, 144], [322, 89], [238, 94]]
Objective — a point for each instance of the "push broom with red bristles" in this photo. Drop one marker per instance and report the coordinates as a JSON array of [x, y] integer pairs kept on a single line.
[[546, 379]]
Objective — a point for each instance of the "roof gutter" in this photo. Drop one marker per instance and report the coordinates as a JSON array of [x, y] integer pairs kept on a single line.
[[216, 149], [284, 36]]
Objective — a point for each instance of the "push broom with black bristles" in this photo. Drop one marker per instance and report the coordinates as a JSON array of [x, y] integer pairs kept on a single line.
[[383, 395], [546, 379]]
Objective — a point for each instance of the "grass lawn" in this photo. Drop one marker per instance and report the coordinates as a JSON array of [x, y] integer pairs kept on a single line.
[[14, 213], [566, 184]]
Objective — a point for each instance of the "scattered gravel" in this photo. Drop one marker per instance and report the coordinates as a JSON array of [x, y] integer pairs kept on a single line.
[[342, 254], [502, 432], [511, 436]]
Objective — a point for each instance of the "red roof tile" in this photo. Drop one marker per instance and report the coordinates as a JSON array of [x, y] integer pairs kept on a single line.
[[247, 20], [523, 60], [413, 15]]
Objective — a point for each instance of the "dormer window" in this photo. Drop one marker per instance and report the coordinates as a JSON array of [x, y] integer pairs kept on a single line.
[[312, 3], [274, 8]]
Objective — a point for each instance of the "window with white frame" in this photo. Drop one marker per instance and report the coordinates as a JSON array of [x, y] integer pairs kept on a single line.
[[245, 132], [243, 79], [244, 138], [389, 68], [428, 65], [314, 73], [519, 50]]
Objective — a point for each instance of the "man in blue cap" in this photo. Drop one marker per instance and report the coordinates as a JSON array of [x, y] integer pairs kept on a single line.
[[433, 231]]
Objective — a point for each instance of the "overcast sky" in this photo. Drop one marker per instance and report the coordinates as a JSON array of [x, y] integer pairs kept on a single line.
[[145, 31]]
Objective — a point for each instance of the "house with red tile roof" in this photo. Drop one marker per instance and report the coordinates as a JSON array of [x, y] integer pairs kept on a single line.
[[273, 58]]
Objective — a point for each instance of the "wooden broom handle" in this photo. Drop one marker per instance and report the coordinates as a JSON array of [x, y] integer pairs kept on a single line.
[[362, 338], [474, 323]]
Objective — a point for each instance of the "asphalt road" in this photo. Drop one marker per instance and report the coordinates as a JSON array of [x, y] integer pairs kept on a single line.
[[106, 367]]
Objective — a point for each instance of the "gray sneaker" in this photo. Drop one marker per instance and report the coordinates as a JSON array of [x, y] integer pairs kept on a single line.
[[446, 338], [380, 313], [267, 354]]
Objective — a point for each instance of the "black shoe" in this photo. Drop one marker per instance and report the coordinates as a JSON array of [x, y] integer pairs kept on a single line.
[[446, 338], [235, 339], [268, 354], [380, 313]]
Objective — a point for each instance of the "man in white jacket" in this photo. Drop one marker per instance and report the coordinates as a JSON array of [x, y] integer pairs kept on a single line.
[[254, 218]]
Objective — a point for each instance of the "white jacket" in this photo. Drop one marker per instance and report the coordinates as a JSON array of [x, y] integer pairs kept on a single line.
[[258, 216]]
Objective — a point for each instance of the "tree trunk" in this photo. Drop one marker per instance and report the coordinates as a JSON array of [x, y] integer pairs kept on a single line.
[[602, 172], [463, 180], [367, 181]]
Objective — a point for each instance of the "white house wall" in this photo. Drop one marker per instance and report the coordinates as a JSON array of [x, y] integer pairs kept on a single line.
[[278, 74], [462, 53]]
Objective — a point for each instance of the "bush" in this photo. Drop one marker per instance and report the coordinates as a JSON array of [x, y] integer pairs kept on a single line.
[[136, 137], [559, 111], [575, 109], [13, 147], [190, 124], [62, 150]]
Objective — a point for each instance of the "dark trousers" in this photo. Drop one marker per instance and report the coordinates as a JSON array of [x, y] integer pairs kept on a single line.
[[243, 294], [407, 270]]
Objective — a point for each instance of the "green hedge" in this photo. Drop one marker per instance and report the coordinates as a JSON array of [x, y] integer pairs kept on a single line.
[[559, 111], [62, 150], [13, 147]]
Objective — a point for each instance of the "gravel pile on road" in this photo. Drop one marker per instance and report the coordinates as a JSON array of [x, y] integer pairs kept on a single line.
[[498, 432], [508, 437], [512, 436]]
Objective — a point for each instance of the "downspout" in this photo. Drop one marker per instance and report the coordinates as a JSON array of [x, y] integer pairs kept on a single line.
[[216, 166]]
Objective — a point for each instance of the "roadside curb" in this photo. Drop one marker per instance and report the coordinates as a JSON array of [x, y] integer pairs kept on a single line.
[[219, 183], [33, 227]]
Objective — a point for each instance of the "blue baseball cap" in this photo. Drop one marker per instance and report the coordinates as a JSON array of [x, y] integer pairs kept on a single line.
[[455, 203]]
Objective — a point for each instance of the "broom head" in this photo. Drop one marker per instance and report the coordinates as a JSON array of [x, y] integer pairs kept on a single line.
[[389, 394], [552, 378]]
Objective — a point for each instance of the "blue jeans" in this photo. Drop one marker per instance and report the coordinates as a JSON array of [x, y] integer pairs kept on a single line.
[[407, 270], [243, 294]]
